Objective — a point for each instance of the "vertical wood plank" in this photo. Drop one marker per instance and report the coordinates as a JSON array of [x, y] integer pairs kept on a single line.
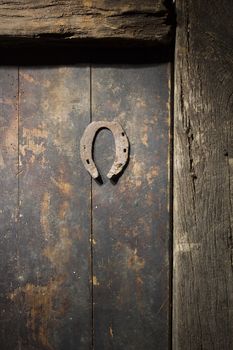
[[131, 218], [53, 295], [8, 205], [203, 193]]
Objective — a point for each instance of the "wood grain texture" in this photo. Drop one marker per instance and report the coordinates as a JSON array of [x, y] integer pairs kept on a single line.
[[130, 217], [50, 295], [48, 20], [203, 177], [8, 205]]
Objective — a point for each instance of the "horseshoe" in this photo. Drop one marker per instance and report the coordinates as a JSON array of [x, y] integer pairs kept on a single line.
[[121, 145]]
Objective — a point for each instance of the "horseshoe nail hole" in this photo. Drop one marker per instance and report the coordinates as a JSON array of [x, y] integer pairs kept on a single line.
[[123, 134], [87, 160], [124, 150], [84, 147]]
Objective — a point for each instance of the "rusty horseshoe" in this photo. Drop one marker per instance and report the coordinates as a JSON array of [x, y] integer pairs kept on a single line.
[[121, 145]]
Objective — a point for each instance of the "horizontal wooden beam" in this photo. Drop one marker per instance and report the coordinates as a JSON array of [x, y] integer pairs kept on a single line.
[[148, 22]]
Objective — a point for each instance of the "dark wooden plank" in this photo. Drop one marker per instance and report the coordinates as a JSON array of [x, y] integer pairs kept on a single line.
[[54, 295], [203, 193], [80, 20], [131, 218], [9, 330]]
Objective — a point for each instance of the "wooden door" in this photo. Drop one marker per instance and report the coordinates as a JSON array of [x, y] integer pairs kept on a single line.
[[84, 265]]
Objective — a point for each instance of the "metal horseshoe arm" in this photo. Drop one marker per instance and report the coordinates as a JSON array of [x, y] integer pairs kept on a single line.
[[121, 145]]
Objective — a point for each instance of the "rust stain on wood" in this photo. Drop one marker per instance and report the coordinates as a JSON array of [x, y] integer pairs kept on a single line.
[[44, 214], [40, 309], [10, 138], [59, 253], [134, 261], [151, 174], [63, 186], [40, 300], [64, 209]]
